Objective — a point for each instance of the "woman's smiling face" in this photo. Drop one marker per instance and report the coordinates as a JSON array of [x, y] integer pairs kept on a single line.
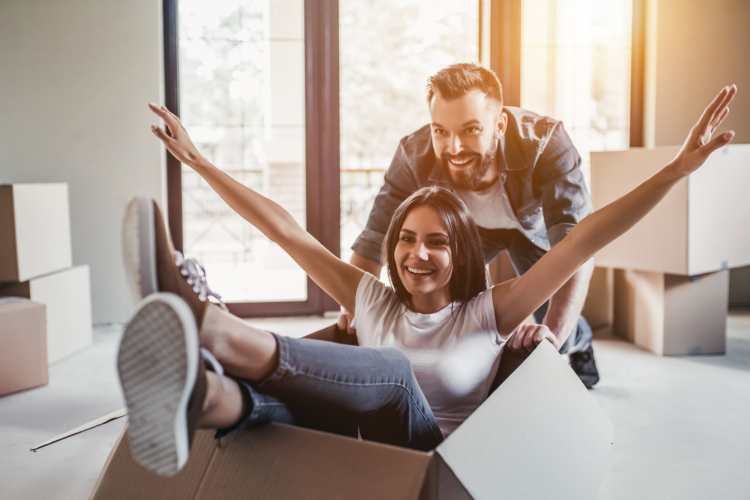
[[424, 260]]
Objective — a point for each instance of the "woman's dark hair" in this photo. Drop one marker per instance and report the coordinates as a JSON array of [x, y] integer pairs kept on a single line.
[[469, 277]]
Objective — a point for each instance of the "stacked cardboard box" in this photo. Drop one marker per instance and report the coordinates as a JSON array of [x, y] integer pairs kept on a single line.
[[23, 345], [671, 285], [599, 307], [36, 263]]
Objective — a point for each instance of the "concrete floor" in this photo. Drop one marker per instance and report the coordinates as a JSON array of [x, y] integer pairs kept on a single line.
[[681, 423]]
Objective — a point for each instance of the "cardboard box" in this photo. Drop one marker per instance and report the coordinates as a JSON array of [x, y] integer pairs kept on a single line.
[[701, 225], [672, 315], [34, 231], [599, 307], [23, 345], [67, 295], [501, 268], [539, 435]]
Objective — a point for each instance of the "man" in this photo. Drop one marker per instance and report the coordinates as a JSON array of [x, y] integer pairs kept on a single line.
[[518, 173]]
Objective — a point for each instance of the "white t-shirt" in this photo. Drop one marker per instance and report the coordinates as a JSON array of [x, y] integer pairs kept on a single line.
[[490, 207], [454, 352]]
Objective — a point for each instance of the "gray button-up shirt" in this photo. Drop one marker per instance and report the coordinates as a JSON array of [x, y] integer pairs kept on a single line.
[[539, 166]]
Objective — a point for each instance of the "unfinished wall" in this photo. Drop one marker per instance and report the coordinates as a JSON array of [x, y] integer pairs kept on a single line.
[[75, 80], [700, 47]]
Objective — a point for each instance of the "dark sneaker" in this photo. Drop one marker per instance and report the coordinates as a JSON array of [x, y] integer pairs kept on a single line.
[[585, 367], [153, 265], [163, 380]]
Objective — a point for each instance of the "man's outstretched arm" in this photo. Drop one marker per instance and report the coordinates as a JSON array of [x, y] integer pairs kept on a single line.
[[565, 306], [367, 265], [562, 316]]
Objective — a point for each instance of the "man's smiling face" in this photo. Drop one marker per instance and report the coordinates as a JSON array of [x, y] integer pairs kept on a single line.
[[465, 132]]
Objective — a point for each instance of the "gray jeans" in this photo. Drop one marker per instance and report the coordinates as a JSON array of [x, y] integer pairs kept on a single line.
[[341, 388]]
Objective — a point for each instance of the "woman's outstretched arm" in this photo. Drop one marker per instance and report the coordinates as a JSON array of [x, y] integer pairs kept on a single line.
[[515, 300], [337, 278]]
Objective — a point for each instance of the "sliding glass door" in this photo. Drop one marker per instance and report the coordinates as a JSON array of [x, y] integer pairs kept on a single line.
[[244, 84], [388, 49]]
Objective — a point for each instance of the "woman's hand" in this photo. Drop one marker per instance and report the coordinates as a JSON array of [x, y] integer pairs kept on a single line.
[[179, 143], [698, 145], [526, 337]]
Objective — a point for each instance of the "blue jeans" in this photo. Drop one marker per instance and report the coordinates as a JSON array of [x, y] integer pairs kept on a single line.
[[340, 388]]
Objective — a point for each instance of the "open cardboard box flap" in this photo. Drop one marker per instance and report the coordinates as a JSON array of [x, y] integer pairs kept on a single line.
[[540, 435]]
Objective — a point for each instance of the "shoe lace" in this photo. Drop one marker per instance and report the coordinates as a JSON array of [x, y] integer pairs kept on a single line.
[[215, 366], [196, 276]]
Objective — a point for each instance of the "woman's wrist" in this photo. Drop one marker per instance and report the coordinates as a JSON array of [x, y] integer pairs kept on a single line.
[[674, 171], [200, 165]]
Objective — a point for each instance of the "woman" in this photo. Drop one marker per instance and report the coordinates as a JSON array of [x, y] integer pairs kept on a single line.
[[441, 315]]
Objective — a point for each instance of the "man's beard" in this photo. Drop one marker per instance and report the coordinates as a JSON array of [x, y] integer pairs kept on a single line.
[[469, 179]]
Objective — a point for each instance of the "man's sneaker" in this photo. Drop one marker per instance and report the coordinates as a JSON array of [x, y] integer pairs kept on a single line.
[[163, 380], [585, 367], [153, 265]]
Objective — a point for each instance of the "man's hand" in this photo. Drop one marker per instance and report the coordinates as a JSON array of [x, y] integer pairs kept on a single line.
[[177, 141], [344, 323], [525, 338]]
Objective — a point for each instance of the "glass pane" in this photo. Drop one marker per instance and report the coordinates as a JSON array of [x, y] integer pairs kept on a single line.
[[242, 100], [388, 49], [575, 67]]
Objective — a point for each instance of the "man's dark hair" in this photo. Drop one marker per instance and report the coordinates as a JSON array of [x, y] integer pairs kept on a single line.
[[469, 277], [458, 80]]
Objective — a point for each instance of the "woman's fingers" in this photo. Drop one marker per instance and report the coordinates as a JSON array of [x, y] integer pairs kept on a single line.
[[157, 110], [720, 106], [161, 134], [711, 110], [170, 119], [720, 119], [719, 141], [721, 111], [703, 129]]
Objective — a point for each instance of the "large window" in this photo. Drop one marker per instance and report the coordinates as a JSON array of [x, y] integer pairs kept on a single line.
[[388, 48], [242, 98], [575, 67]]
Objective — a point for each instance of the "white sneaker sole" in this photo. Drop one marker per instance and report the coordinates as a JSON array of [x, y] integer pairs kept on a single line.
[[158, 365], [139, 248]]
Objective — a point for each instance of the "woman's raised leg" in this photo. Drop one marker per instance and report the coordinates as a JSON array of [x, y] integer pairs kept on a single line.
[[323, 383]]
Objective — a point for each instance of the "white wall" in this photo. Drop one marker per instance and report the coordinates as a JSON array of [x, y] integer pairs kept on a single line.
[[75, 80], [699, 47]]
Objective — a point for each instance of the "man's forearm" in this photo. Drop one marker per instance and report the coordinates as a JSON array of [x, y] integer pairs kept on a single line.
[[565, 306], [367, 265]]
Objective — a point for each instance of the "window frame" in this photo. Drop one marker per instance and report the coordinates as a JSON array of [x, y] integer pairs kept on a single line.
[[322, 157]]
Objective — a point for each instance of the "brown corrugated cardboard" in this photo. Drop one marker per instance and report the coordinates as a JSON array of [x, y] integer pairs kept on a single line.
[[672, 315], [501, 268], [23, 345], [599, 307], [699, 226], [34, 231], [540, 435], [67, 296]]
